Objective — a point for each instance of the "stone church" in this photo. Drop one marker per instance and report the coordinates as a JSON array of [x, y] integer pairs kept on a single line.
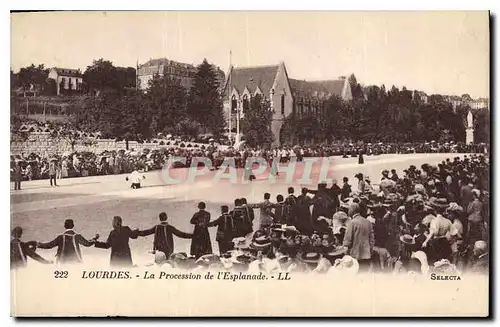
[[286, 95]]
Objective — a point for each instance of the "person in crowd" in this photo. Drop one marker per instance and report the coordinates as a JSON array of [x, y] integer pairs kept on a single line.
[[53, 171], [303, 213], [290, 202], [361, 160], [20, 251], [334, 193], [481, 259], [118, 241], [200, 244], [266, 214], [394, 175], [17, 175], [439, 232], [346, 189], [225, 230], [279, 210], [68, 244], [359, 238], [163, 235], [241, 219], [361, 183], [249, 213], [135, 179], [475, 222]]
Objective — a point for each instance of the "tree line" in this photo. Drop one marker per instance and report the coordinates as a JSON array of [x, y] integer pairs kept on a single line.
[[380, 115]]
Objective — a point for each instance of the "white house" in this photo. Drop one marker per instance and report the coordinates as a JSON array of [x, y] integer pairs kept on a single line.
[[66, 79]]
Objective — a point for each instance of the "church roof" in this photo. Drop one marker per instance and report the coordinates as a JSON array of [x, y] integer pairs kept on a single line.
[[165, 62], [253, 77], [317, 88]]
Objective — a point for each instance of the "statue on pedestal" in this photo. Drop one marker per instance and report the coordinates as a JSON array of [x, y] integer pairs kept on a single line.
[[469, 132]]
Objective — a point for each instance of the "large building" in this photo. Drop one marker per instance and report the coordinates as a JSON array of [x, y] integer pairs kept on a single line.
[[286, 95], [66, 79], [165, 67]]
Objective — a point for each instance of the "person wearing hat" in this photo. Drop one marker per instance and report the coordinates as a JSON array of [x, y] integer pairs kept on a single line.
[[20, 251], [68, 244], [225, 230], [439, 232], [322, 203], [347, 265], [359, 238], [407, 246]]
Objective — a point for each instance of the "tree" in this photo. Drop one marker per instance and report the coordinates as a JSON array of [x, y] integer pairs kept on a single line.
[[256, 124], [356, 90], [101, 76], [32, 77], [69, 132], [466, 97], [205, 100], [167, 103], [16, 135], [482, 126]]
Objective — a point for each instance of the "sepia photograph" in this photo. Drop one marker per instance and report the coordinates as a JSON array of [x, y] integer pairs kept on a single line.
[[250, 164]]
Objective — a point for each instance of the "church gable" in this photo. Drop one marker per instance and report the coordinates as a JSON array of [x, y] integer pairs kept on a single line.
[[253, 78]]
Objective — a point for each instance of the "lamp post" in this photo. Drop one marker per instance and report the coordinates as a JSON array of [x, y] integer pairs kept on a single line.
[[237, 139]]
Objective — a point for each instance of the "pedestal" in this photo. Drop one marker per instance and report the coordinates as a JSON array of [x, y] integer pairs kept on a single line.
[[469, 136]]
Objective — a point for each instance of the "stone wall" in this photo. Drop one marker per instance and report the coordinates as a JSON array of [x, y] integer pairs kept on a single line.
[[45, 145]]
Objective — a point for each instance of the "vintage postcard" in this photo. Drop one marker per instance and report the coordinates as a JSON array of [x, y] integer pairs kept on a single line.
[[234, 164]]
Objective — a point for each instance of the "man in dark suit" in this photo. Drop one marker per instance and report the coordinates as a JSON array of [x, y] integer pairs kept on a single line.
[[334, 193], [20, 251], [279, 210], [290, 203], [225, 230], [359, 238], [118, 241], [249, 213], [68, 244], [163, 235]]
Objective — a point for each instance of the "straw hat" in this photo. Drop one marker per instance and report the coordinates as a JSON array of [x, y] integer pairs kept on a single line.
[[407, 239]]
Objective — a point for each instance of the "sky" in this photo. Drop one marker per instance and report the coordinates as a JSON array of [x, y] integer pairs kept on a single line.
[[435, 52]]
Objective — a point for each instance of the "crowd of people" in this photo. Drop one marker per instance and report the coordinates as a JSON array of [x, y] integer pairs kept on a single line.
[[421, 220]]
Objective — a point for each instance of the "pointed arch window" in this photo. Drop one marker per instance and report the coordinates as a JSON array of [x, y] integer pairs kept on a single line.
[[234, 104], [246, 103], [282, 104]]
